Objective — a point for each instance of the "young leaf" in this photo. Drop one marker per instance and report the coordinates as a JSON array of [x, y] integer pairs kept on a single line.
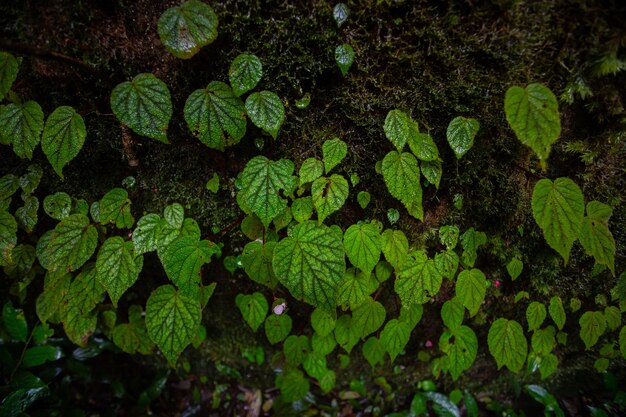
[[340, 14], [266, 111], [311, 169], [145, 235], [347, 333], [71, 244], [422, 144], [293, 385], [417, 280], [295, 349], [595, 236], [253, 308], [117, 266], [514, 268], [461, 133], [144, 105], [132, 337], [183, 260], [302, 209], [333, 151], [21, 125], [460, 346], [368, 316], [262, 180], [172, 320], [244, 73], [257, 262], [329, 194], [216, 116], [363, 244], [363, 198], [63, 137], [344, 56], [507, 344], [277, 327], [186, 28], [535, 315], [432, 171], [447, 263], [373, 351], [592, 326], [324, 345], [9, 67], [452, 313], [557, 312], [558, 208], [396, 128], [470, 289], [394, 337], [58, 205], [471, 240], [533, 114], [115, 208], [449, 236], [354, 287], [395, 247], [314, 364]]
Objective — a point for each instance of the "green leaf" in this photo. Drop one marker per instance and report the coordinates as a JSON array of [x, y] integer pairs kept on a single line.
[[422, 144], [417, 280], [71, 244], [613, 317], [172, 320], [344, 56], [460, 346], [373, 351], [327, 381], [314, 364], [461, 133], [447, 263], [58, 205], [257, 262], [324, 345], [295, 349], [15, 322], [311, 169], [368, 316], [592, 326], [396, 128], [22, 259], [548, 366], [543, 340], [277, 327], [470, 289], [383, 271], [293, 385], [514, 268], [395, 247], [452, 313], [30, 181], [117, 266], [38, 355], [533, 114], [22, 124], [402, 177], [55, 288], [333, 152], [471, 240], [185, 29], [216, 116], [302, 209], [262, 180], [329, 194], [558, 208], [622, 342], [394, 337], [27, 214], [9, 67], [535, 315], [507, 344], [115, 208], [557, 312], [322, 322], [253, 308], [79, 317], [266, 111], [63, 137], [174, 214], [354, 287], [341, 13], [432, 171], [144, 105], [411, 315], [449, 236], [595, 236], [183, 260], [363, 244], [347, 333], [132, 337], [363, 198], [442, 405], [145, 235], [244, 73], [8, 186], [213, 185]]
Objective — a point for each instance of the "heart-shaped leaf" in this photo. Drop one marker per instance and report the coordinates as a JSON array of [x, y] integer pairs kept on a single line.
[[373, 351], [402, 177], [21, 125], [310, 170], [323, 322], [257, 262], [396, 128], [8, 72], [395, 247], [63, 137], [535, 315], [115, 208], [333, 151], [344, 56], [592, 326], [470, 289], [329, 194], [266, 111], [71, 244], [245, 72], [460, 346], [363, 244], [368, 316], [144, 105], [183, 259], [216, 116], [277, 327], [57, 205], [117, 266], [461, 132], [394, 337], [186, 28], [595, 236], [507, 344], [418, 280], [557, 312], [432, 171], [253, 308]]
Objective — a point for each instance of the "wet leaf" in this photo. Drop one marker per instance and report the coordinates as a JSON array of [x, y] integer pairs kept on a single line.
[[185, 29]]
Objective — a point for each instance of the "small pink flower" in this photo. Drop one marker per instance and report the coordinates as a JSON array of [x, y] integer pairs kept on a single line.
[[428, 344], [497, 283], [279, 309]]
